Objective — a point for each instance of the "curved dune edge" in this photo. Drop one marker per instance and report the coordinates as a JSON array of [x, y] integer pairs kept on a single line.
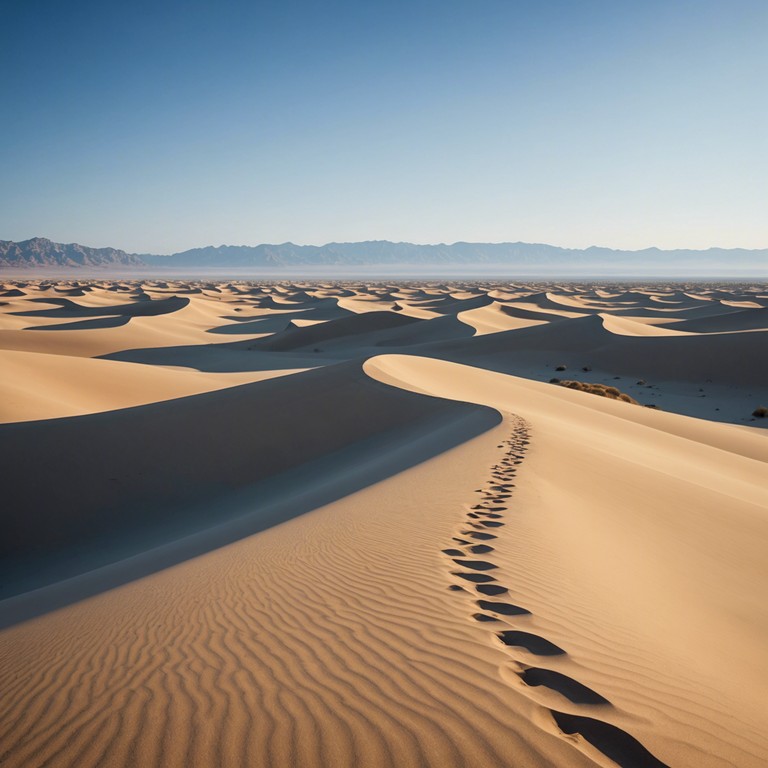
[[696, 348], [327, 640], [37, 386], [619, 591], [473, 557], [144, 476], [435, 589], [332, 639]]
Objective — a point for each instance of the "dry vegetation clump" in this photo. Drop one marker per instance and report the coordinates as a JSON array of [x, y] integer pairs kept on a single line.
[[612, 393], [761, 412]]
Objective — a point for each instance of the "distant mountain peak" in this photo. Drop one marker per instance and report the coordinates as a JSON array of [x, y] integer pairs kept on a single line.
[[42, 252], [520, 258]]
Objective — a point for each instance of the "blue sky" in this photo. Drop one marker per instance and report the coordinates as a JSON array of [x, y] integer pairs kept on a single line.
[[159, 126]]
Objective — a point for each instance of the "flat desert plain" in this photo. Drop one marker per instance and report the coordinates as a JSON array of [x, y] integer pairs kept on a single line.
[[358, 524]]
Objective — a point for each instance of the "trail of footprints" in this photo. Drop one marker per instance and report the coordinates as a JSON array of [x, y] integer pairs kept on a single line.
[[471, 556]]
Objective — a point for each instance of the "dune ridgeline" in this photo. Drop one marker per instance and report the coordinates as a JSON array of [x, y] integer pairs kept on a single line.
[[383, 524]]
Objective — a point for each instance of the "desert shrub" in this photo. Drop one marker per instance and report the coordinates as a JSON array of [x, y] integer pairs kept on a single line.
[[560, 368], [601, 390], [761, 412]]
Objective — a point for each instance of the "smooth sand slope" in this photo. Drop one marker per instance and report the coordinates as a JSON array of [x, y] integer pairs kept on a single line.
[[361, 528], [45, 386], [628, 518]]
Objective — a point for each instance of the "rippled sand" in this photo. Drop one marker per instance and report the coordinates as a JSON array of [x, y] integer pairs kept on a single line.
[[353, 524]]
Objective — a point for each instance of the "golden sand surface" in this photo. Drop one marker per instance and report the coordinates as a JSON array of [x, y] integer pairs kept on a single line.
[[353, 524]]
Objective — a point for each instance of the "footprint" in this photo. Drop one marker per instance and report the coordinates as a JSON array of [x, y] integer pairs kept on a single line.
[[477, 578], [625, 750], [491, 589], [476, 565], [572, 689], [483, 617], [506, 609], [614, 743], [532, 643]]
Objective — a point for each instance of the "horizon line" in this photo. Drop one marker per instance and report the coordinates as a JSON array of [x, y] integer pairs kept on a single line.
[[395, 242]]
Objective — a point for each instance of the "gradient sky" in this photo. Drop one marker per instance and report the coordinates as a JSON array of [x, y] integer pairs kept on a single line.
[[164, 125]]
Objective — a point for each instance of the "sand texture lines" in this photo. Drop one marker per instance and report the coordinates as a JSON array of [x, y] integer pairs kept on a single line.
[[483, 523], [341, 524]]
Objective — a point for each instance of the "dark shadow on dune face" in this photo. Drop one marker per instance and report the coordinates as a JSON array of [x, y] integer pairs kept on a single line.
[[280, 318], [68, 308], [254, 325], [725, 322], [450, 306], [133, 491], [572, 689], [334, 339], [426, 332], [227, 357], [366, 324], [625, 750], [727, 358], [70, 291], [85, 325]]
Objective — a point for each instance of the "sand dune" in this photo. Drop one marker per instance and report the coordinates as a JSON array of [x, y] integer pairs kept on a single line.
[[353, 325], [629, 326], [638, 605], [648, 352], [70, 309], [84, 385], [746, 320], [213, 555], [496, 317]]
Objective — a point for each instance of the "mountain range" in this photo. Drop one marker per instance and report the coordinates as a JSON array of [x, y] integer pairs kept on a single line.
[[528, 257]]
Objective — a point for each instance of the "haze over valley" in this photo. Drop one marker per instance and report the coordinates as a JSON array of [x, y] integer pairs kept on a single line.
[[398, 259]]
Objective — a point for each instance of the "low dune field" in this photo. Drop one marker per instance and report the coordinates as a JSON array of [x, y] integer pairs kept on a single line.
[[383, 524]]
